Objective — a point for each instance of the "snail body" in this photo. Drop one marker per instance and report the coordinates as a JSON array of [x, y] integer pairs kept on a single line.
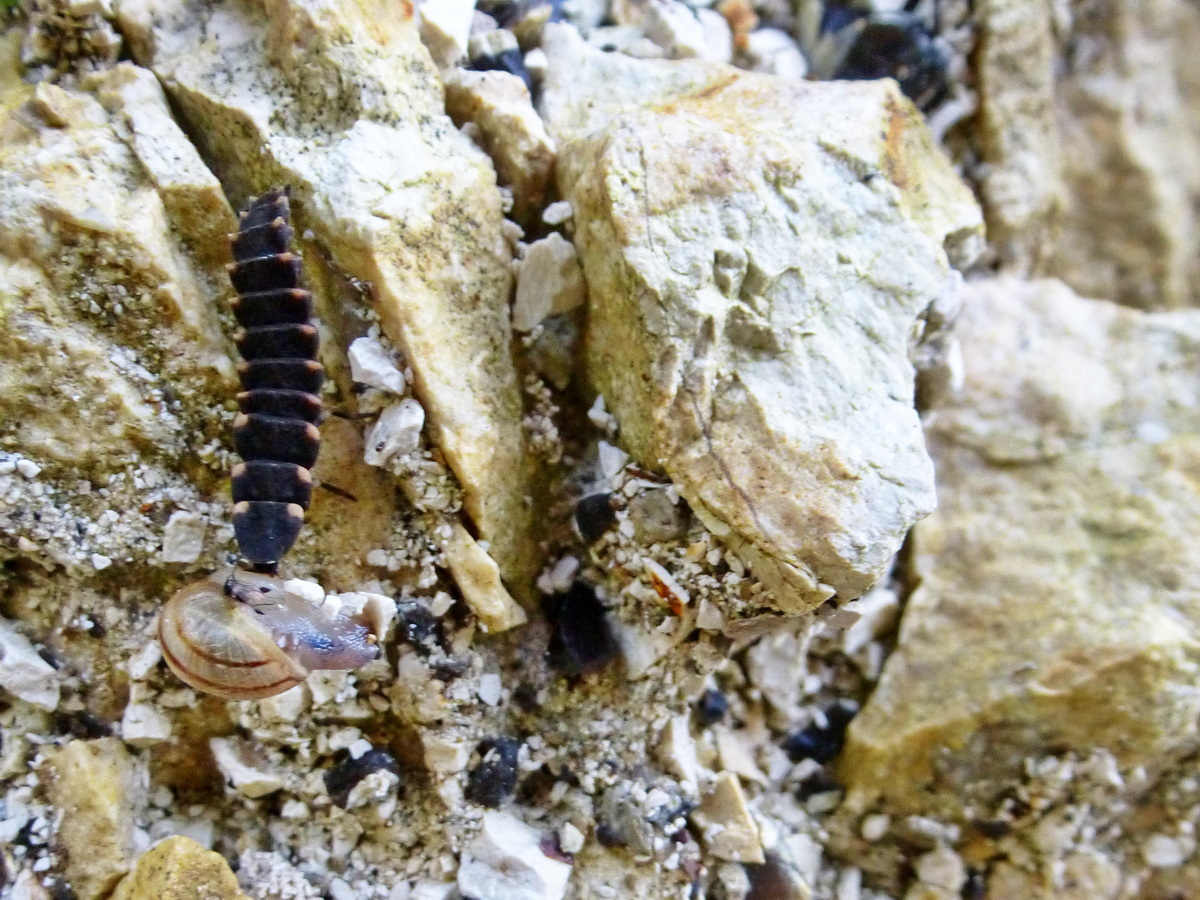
[[243, 636], [239, 633]]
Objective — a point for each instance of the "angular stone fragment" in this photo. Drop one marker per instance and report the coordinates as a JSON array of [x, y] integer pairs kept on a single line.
[[23, 673], [179, 869], [506, 862], [759, 252], [243, 769], [341, 101], [479, 580], [99, 789], [550, 282], [725, 822], [1018, 130], [511, 131], [1057, 607], [1130, 141], [183, 537]]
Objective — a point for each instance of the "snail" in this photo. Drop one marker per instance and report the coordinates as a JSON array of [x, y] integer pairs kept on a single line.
[[240, 633], [244, 636]]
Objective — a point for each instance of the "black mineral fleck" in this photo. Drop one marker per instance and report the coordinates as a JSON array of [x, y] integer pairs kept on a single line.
[[822, 742], [583, 640], [348, 771], [711, 707], [418, 625], [494, 779], [510, 61], [594, 516]]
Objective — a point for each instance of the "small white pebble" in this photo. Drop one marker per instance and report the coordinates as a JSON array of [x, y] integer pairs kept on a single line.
[[377, 557], [309, 590], [849, 885], [489, 688], [28, 468], [558, 212], [441, 604], [874, 827], [359, 748], [612, 459], [570, 838], [1163, 852], [100, 562]]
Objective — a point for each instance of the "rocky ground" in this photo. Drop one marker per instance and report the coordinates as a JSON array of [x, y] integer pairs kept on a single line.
[[788, 481]]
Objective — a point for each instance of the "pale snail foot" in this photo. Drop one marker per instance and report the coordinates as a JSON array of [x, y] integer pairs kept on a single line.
[[242, 636]]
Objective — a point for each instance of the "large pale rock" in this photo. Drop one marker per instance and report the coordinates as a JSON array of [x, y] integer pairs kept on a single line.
[[99, 294], [341, 101], [1091, 144], [498, 103], [1018, 130], [99, 789], [180, 869], [1130, 138], [759, 253], [1059, 598]]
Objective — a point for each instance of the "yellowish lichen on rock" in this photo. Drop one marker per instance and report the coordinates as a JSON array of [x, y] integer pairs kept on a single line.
[[179, 869]]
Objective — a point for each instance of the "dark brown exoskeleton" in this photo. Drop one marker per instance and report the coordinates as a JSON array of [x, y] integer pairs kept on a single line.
[[276, 433]]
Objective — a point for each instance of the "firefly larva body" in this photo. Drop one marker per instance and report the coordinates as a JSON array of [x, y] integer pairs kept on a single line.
[[276, 433], [239, 633]]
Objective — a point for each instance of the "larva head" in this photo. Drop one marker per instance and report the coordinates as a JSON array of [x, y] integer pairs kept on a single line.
[[242, 636]]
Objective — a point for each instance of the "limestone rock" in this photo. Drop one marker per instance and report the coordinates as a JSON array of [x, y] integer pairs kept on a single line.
[[342, 102], [98, 787], [752, 298], [99, 295], [397, 432], [506, 862], [242, 768], [549, 282], [1058, 579], [446, 28], [23, 673], [1018, 131], [1090, 141], [724, 820], [479, 580], [183, 537], [511, 130], [179, 869], [1127, 116]]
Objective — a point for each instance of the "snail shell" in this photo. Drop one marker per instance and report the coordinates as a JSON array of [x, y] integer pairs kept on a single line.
[[242, 636]]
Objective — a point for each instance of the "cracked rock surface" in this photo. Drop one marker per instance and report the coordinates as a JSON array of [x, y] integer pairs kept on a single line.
[[748, 340]]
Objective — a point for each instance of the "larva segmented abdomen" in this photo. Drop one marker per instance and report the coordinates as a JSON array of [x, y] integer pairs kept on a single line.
[[276, 433]]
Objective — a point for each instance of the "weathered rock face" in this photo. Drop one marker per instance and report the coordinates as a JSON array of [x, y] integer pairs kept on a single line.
[[326, 97], [1058, 599], [101, 297], [1089, 140], [758, 254]]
